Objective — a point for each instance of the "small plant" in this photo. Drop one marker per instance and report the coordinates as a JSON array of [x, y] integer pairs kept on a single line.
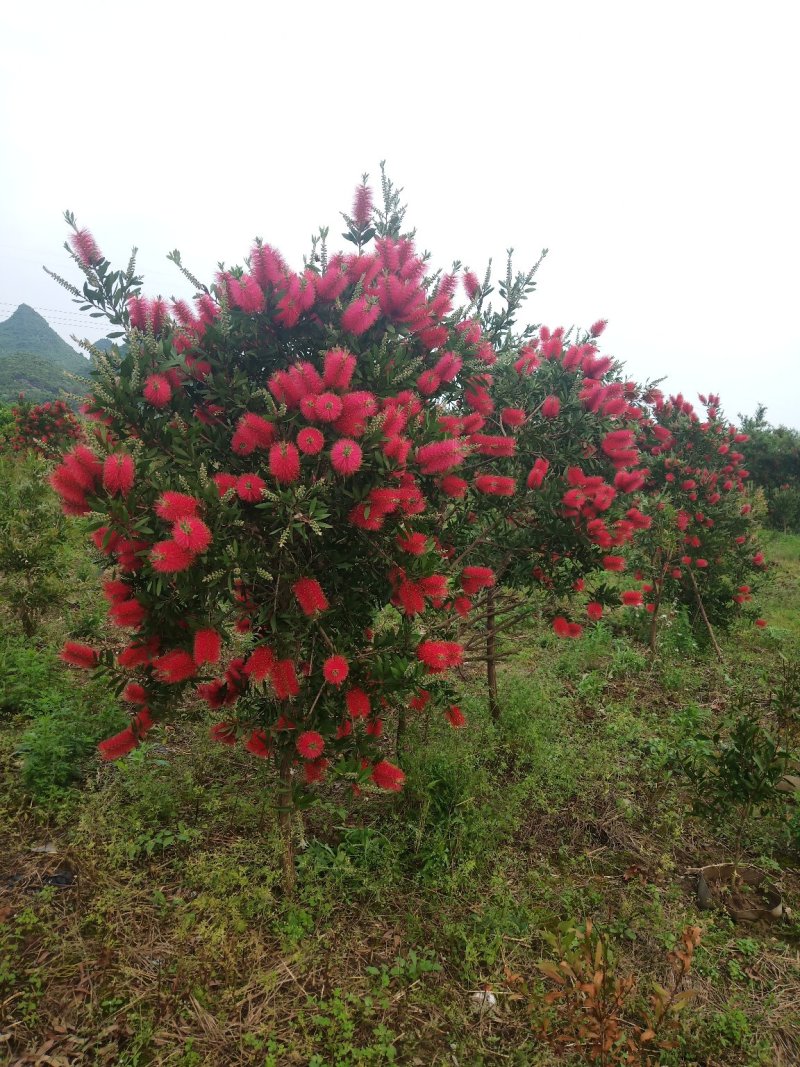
[[595, 1007], [735, 777]]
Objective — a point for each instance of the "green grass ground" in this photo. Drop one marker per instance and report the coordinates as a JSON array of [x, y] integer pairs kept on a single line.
[[173, 944]]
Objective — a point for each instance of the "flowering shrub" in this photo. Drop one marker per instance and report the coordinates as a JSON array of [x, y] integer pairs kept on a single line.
[[44, 429], [546, 493], [701, 550], [266, 479]]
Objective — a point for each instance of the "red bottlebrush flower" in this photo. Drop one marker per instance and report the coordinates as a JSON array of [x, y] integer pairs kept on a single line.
[[594, 610], [284, 679], [134, 656], [375, 728], [127, 613], [310, 744], [252, 432], [338, 368], [386, 776], [758, 559], [346, 457], [118, 473], [246, 294], [492, 445], [249, 486], [133, 693], [192, 534], [173, 506], [85, 248], [78, 655], [358, 316], [440, 656], [420, 701], [168, 557], [224, 732], [440, 456], [314, 770], [358, 703], [551, 407], [614, 563], [471, 284], [428, 382], [629, 481], [495, 485], [462, 606], [310, 441], [324, 407], [632, 598], [224, 482], [410, 597], [473, 579], [761, 623], [701, 563], [448, 366], [598, 327], [310, 596], [260, 663], [157, 391], [115, 590], [455, 716], [257, 745], [563, 628], [207, 646], [119, 745], [335, 669], [512, 417], [284, 462], [454, 487], [362, 205], [415, 544], [174, 667]]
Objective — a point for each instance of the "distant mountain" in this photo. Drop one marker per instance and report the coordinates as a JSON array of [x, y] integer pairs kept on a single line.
[[34, 360]]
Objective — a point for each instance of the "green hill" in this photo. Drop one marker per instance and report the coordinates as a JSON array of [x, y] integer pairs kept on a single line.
[[34, 360]]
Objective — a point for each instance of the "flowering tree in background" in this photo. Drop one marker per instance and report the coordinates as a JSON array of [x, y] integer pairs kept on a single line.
[[44, 429], [546, 494], [701, 550]]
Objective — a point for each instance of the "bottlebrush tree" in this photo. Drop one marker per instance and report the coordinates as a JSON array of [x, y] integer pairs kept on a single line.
[[43, 429], [702, 550], [265, 479], [546, 495]]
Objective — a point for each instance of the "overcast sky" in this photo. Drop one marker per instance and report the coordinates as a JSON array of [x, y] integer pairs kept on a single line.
[[651, 147]]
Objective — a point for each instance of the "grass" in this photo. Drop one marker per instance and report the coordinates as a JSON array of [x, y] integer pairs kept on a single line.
[[172, 943]]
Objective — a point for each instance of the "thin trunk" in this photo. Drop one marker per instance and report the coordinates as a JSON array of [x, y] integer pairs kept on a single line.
[[285, 823], [701, 606], [401, 729], [491, 655]]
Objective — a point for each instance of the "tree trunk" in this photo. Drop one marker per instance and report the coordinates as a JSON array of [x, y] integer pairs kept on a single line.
[[491, 655], [705, 618], [285, 823]]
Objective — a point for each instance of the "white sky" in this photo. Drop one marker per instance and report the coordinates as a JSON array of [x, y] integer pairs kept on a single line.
[[652, 148]]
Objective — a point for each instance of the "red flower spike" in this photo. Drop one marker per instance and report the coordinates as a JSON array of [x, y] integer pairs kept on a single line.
[[310, 596], [310, 744], [77, 654], [192, 534], [207, 646], [455, 716], [335, 670], [118, 474], [386, 776], [358, 703]]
